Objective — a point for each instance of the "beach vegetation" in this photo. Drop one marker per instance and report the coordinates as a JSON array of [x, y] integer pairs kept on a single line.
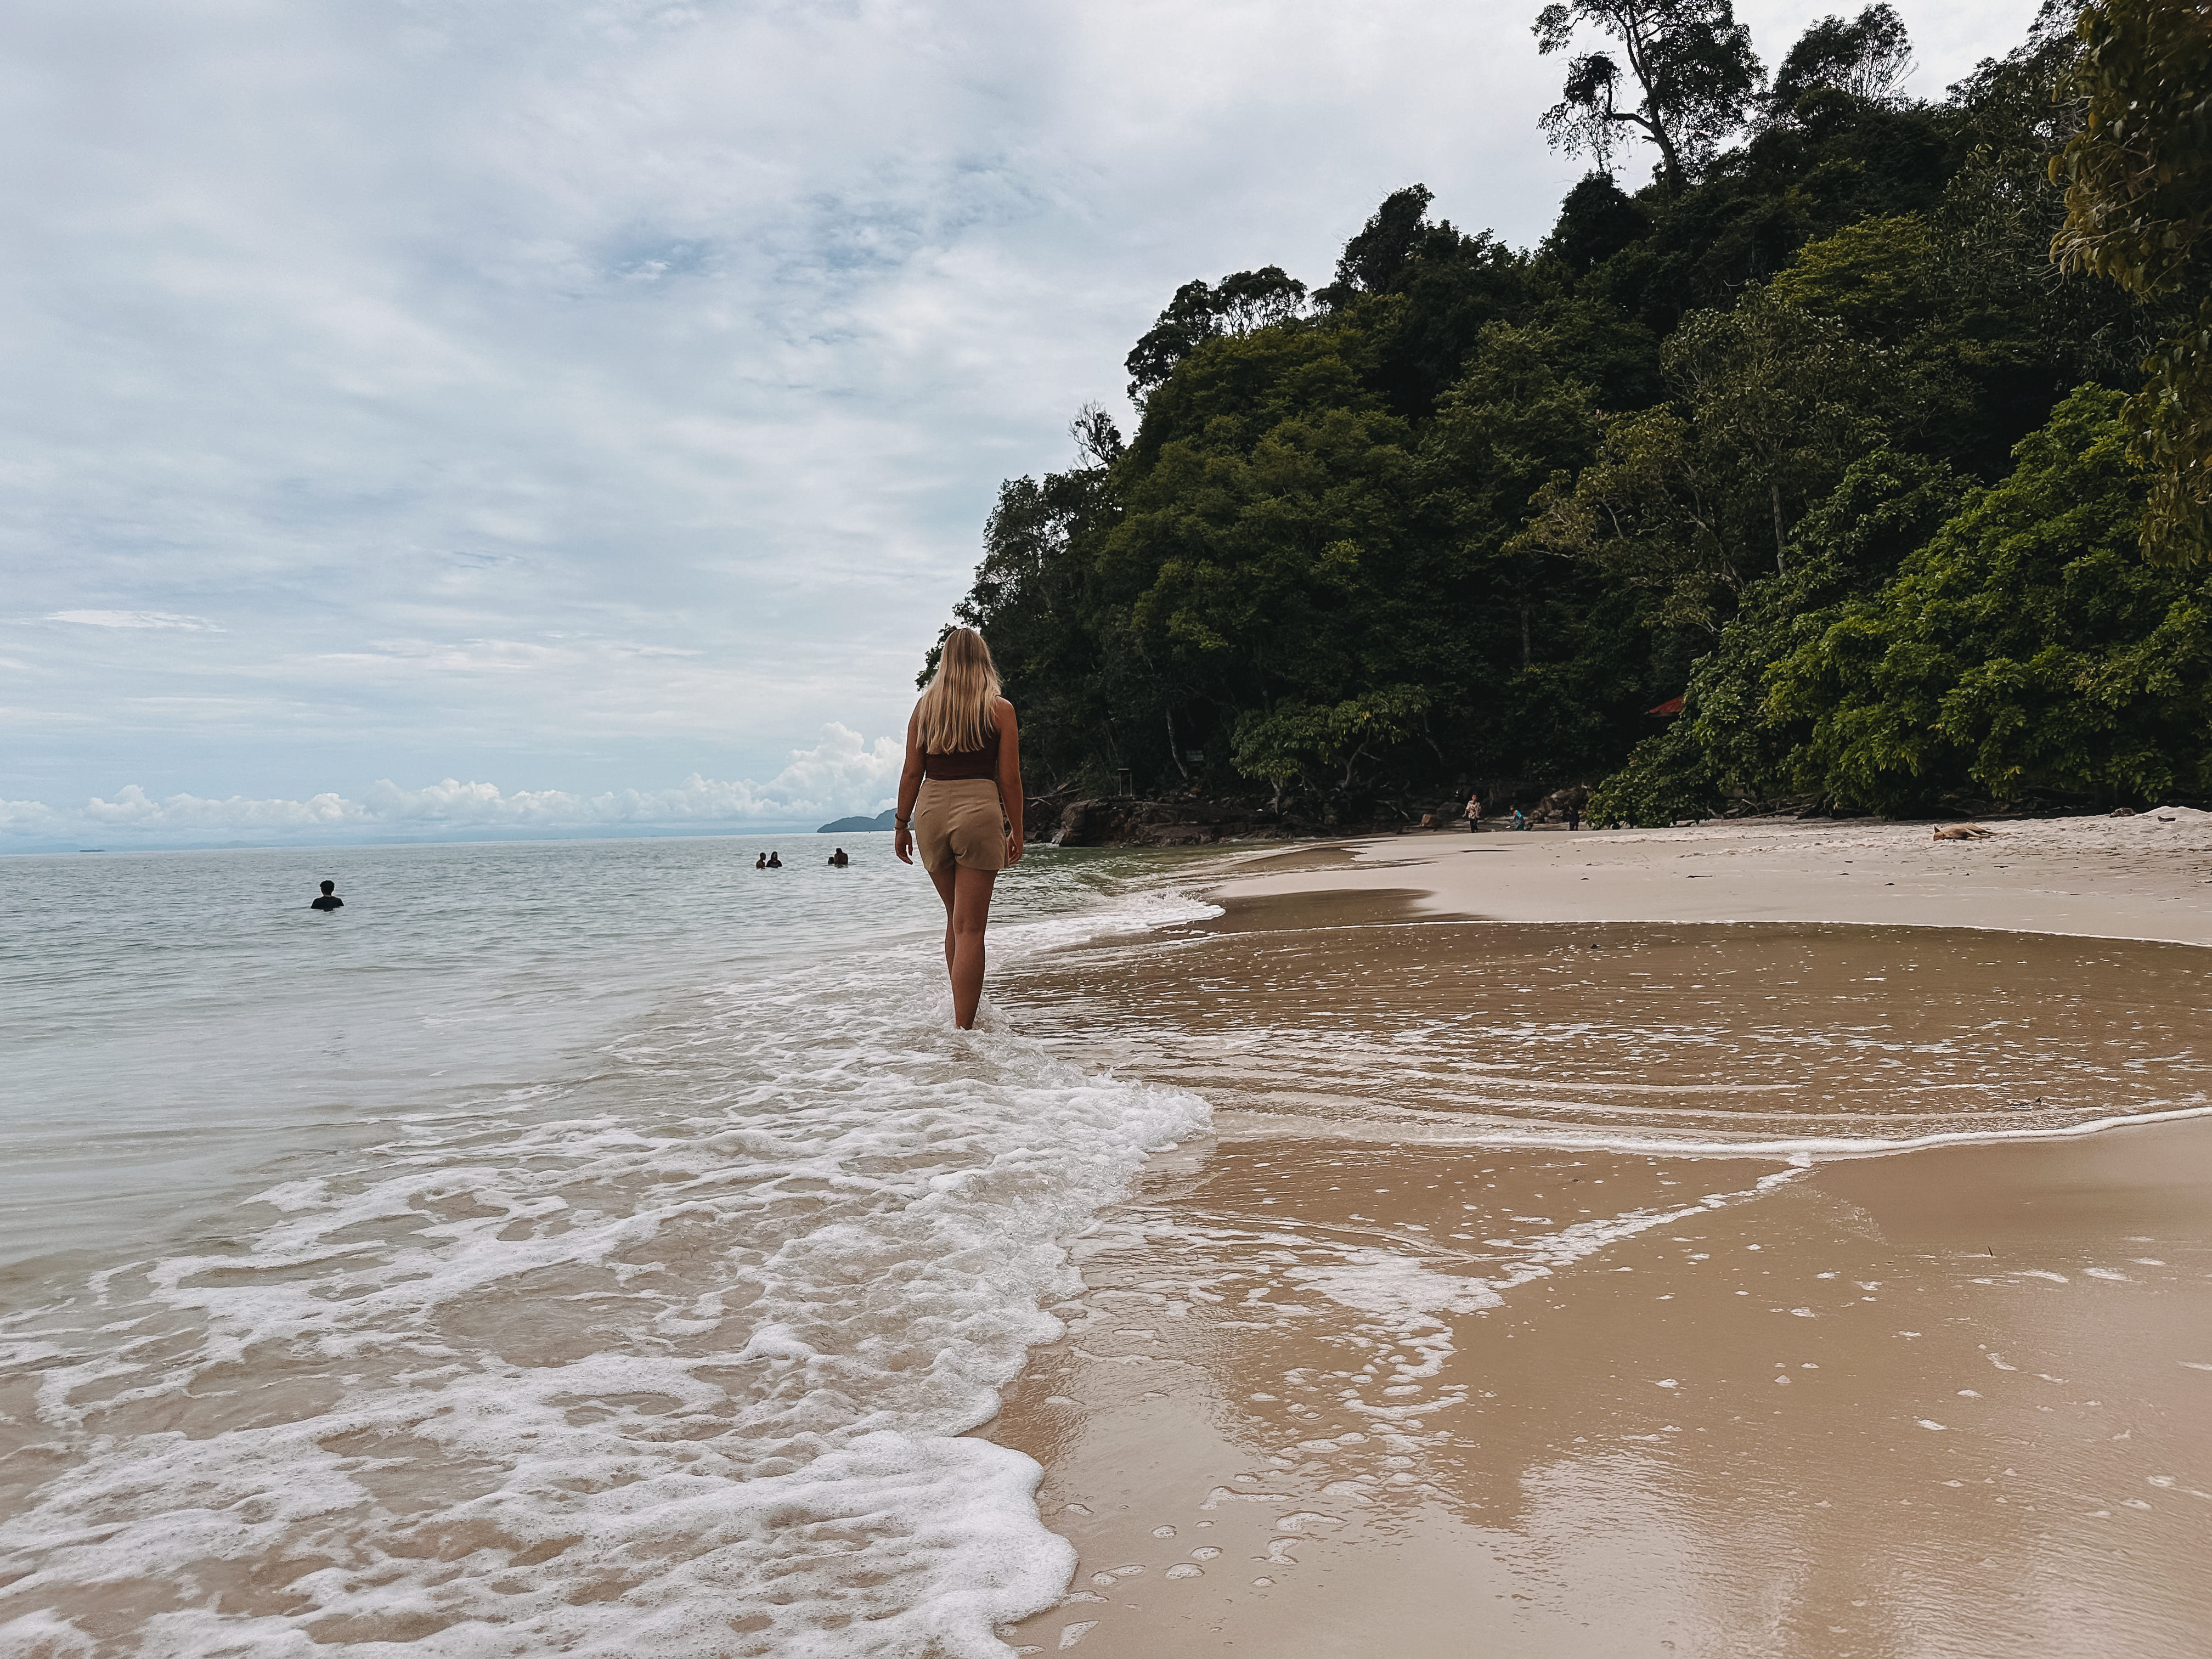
[[1870, 429]]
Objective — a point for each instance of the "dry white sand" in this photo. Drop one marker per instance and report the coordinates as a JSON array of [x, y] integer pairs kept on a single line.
[[2147, 877]]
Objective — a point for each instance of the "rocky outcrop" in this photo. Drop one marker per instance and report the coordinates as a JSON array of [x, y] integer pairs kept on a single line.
[[1555, 806], [1124, 821]]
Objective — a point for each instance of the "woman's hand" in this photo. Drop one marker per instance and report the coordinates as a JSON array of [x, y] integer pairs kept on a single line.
[[902, 844], [1013, 849]]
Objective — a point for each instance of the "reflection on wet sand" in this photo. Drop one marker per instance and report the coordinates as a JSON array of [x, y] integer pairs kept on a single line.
[[1324, 1394]]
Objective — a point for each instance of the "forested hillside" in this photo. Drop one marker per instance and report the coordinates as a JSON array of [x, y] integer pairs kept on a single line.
[[1809, 432]]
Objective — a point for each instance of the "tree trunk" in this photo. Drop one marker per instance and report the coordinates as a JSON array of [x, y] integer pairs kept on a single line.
[[1528, 658], [1776, 489], [1175, 752], [1671, 162]]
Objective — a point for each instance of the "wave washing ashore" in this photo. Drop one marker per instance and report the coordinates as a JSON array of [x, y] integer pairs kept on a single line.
[[592, 1249], [610, 1250], [1651, 1242]]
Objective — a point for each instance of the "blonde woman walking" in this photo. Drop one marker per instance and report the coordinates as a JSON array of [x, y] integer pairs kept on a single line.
[[960, 800]]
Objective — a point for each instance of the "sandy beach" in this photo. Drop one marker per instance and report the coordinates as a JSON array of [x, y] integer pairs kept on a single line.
[[1751, 1238]]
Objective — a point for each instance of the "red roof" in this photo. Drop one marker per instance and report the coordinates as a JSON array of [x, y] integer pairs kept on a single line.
[[1672, 706]]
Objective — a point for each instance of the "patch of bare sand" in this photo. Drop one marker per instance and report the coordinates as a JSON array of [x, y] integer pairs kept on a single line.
[[2145, 877], [1358, 1378]]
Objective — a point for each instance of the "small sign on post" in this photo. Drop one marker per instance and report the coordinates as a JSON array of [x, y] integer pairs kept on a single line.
[[1125, 779]]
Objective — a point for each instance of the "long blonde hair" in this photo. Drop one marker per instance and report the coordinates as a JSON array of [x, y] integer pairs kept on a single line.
[[956, 713]]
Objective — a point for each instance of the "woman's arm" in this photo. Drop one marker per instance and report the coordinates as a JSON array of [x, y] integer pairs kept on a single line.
[[1010, 779], [909, 787]]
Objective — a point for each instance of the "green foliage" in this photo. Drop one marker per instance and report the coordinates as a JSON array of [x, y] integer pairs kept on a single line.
[[1729, 746], [1466, 513], [1866, 58], [2138, 212], [1297, 740], [2025, 652], [1243, 301], [1690, 504]]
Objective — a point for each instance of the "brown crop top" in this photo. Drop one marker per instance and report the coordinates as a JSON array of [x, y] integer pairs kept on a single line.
[[967, 763]]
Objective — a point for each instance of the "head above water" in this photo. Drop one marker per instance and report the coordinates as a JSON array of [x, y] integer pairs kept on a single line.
[[329, 887], [955, 715]]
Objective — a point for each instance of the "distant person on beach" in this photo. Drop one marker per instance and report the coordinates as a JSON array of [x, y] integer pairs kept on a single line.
[[960, 801], [776, 860], [328, 901], [1574, 818], [1474, 814], [838, 859]]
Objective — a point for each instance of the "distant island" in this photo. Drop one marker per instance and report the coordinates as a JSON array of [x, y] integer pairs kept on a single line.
[[885, 820]]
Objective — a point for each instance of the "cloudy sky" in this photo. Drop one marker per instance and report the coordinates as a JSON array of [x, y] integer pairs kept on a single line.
[[544, 414]]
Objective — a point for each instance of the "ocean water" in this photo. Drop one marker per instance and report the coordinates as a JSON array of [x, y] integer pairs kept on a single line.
[[581, 1247]]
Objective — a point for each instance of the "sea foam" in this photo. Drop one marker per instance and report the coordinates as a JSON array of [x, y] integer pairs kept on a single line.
[[674, 1359]]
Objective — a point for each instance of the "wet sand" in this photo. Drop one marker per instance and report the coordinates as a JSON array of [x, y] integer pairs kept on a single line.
[[1794, 1269]]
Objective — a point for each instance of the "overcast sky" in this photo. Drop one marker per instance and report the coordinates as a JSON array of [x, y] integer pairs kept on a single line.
[[596, 404]]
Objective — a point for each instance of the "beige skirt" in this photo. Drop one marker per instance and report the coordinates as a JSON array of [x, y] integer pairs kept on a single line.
[[959, 821]]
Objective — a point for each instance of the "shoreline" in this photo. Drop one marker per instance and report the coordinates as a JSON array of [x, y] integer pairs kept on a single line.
[[1411, 1436]]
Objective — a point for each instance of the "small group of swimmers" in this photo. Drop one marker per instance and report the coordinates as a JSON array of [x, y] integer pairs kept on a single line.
[[836, 860], [959, 806]]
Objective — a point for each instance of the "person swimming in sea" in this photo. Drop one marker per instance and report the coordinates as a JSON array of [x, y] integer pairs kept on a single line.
[[329, 899], [960, 802], [760, 863], [838, 859], [775, 861]]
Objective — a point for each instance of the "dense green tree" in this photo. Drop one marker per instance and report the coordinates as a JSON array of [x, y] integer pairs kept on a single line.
[[2138, 180], [1297, 740], [1867, 59], [1730, 746], [2026, 651], [1691, 501], [1468, 513], [1597, 221], [1243, 301]]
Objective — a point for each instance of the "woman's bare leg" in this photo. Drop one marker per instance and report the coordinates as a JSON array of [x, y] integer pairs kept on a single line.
[[967, 895]]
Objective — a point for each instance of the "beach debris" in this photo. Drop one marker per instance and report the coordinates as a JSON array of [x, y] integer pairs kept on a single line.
[[1963, 832]]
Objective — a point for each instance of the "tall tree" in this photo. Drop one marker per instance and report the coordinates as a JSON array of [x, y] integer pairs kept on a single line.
[[1242, 302], [1867, 58], [1691, 76], [2138, 208]]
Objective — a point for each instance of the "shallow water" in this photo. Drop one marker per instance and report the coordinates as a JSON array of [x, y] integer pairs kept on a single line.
[[1570, 1290], [602, 1247], [584, 1247], [1789, 1038]]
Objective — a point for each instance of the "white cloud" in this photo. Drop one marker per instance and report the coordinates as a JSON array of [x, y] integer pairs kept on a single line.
[[842, 774], [644, 371], [135, 619]]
